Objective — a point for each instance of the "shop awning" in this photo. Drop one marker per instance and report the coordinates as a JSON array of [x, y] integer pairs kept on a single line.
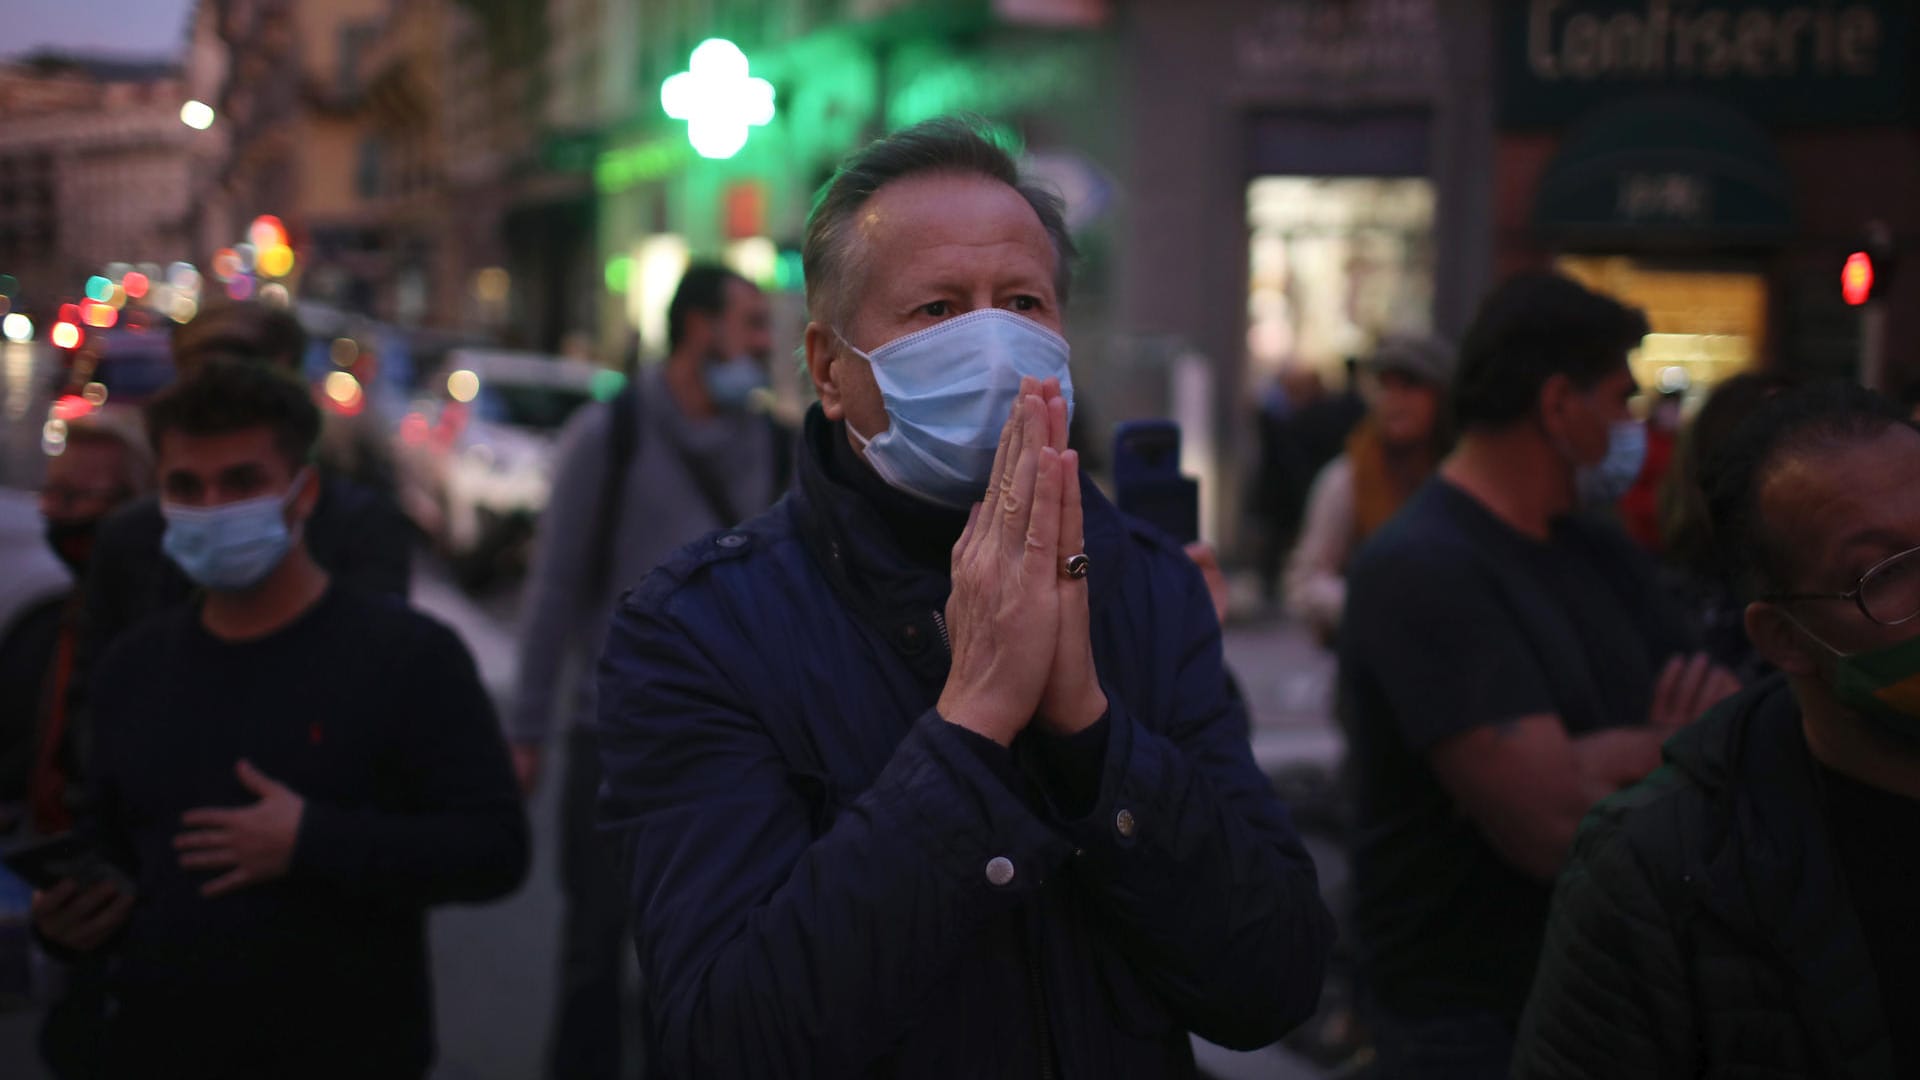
[[1666, 171]]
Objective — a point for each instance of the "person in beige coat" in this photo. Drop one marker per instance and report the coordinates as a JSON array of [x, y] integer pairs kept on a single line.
[[1388, 457]]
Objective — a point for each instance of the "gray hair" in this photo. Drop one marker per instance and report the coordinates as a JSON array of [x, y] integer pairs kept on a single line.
[[947, 145]]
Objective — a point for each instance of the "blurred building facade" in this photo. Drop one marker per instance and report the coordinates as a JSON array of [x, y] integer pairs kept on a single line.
[[95, 168], [1715, 164], [1257, 187], [1254, 185]]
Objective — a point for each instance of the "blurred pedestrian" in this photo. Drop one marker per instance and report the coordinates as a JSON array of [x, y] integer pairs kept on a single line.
[[356, 534], [685, 451], [1750, 909], [931, 771], [1691, 569], [286, 772], [103, 464], [1639, 508], [1506, 662], [1392, 452]]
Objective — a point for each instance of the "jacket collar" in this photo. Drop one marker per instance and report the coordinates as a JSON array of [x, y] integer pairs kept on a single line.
[[1768, 868], [885, 588]]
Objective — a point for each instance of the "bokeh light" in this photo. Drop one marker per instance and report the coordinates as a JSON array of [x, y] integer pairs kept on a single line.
[[98, 315], [276, 261], [463, 386], [71, 407], [197, 115], [342, 387], [267, 231]]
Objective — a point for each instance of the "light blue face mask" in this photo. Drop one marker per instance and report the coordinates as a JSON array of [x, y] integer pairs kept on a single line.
[[731, 383], [1604, 484], [948, 390], [232, 547]]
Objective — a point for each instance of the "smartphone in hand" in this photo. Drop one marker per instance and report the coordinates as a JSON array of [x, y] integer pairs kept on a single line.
[[67, 857], [1147, 480]]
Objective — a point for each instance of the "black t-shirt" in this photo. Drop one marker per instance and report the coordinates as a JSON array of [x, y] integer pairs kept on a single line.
[[1454, 621], [1876, 840], [375, 716]]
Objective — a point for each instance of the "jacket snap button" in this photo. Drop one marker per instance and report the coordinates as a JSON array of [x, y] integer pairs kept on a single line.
[[999, 870], [1123, 823], [732, 540]]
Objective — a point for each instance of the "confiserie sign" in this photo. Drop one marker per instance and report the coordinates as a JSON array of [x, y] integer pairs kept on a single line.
[[1789, 62]]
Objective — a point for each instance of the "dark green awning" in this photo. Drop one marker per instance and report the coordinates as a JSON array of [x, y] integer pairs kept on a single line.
[[1665, 169]]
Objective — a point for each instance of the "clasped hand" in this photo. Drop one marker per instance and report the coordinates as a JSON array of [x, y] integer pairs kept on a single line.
[[1022, 651]]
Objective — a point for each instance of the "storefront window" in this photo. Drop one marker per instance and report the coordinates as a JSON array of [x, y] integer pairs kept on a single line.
[[1707, 324], [1335, 262]]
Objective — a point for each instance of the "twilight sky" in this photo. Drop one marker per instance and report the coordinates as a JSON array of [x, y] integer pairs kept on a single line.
[[142, 28]]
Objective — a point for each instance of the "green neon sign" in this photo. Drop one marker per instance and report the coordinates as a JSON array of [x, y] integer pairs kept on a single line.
[[718, 100]]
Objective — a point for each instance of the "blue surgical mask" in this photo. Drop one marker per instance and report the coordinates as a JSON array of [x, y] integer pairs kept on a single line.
[[1604, 484], [731, 383], [948, 390], [232, 547]]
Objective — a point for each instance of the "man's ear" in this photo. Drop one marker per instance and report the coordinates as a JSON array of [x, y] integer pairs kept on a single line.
[[699, 332], [1780, 641], [308, 496], [1556, 395], [823, 353]]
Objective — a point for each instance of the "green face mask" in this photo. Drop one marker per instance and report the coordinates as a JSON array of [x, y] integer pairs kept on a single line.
[[1883, 686]]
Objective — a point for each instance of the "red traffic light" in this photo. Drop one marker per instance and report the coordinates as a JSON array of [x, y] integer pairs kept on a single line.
[[1856, 278]]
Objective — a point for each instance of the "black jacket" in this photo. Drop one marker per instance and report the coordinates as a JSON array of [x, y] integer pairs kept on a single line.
[[1703, 928], [830, 880]]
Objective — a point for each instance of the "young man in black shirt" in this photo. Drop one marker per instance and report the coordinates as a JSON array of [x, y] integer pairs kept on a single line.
[[1754, 907], [288, 772], [1506, 662]]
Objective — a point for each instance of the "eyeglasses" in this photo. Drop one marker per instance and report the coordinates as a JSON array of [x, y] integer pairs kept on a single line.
[[1888, 594]]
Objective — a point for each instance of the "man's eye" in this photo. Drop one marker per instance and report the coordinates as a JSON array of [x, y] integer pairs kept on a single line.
[[937, 309], [1026, 303]]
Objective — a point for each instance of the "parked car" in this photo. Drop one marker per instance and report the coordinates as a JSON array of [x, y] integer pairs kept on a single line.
[[475, 452]]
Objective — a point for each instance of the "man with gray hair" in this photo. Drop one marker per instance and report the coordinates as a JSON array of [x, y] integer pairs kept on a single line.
[[931, 771]]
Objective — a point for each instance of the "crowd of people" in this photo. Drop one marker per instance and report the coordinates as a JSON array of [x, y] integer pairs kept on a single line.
[[894, 749]]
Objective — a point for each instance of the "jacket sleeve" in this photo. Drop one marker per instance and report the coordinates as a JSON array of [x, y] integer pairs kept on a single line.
[[1316, 571], [1193, 861], [772, 942], [556, 605], [457, 830], [1610, 997]]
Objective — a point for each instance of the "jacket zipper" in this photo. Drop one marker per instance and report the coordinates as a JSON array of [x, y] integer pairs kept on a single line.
[[940, 624]]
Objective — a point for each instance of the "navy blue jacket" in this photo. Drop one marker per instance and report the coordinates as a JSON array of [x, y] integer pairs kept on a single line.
[[817, 861]]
